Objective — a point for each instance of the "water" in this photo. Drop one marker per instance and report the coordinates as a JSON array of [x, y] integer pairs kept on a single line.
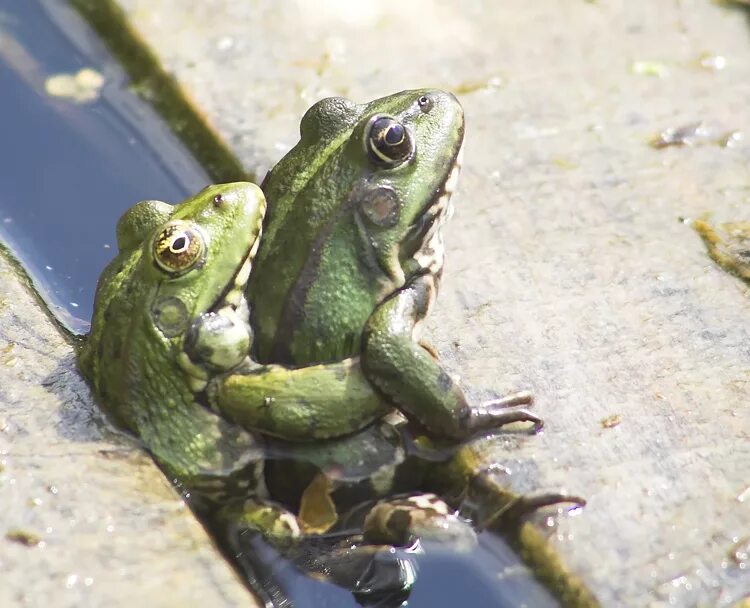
[[68, 170], [490, 576]]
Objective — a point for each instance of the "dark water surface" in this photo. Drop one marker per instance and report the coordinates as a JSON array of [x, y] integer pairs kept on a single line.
[[68, 170]]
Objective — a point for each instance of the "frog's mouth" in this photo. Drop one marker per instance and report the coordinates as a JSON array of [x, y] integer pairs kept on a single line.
[[233, 297], [229, 313], [428, 231]]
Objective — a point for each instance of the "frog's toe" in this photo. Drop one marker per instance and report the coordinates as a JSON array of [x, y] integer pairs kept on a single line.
[[514, 399], [529, 503]]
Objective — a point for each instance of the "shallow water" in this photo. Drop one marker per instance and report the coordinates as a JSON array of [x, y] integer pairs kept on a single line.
[[68, 170]]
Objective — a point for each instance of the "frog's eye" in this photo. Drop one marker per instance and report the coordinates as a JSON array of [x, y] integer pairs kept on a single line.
[[388, 142], [178, 247]]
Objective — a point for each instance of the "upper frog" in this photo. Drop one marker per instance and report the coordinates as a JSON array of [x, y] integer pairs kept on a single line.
[[348, 267], [367, 190], [174, 289]]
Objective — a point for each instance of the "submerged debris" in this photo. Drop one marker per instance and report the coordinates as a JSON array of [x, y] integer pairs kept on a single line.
[[82, 87]]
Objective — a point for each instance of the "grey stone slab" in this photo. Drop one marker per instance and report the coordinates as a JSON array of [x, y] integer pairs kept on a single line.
[[87, 519], [568, 271]]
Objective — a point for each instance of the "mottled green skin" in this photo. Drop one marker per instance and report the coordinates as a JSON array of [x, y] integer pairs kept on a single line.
[[130, 362], [322, 269], [344, 275]]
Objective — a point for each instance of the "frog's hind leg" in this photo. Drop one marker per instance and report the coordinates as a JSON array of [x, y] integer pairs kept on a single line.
[[516, 507]]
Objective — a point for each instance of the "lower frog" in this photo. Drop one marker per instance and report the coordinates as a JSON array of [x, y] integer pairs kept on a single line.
[[169, 313], [348, 267]]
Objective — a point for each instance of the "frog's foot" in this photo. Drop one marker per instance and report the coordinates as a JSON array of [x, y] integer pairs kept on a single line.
[[403, 520], [499, 412], [521, 506]]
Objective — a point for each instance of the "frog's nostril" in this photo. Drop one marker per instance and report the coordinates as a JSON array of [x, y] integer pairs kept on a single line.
[[218, 200]]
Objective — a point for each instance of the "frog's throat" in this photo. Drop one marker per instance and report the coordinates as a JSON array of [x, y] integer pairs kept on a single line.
[[430, 255], [231, 301], [234, 292]]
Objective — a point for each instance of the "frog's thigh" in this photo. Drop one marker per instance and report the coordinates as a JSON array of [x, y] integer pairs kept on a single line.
[[405, 371], [402, 520], [302, 404]]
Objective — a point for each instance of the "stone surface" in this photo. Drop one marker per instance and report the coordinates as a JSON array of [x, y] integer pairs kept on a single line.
[[87, 518], [568, 271]]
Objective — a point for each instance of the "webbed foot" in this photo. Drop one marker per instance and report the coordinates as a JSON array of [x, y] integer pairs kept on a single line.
[[499, 412]]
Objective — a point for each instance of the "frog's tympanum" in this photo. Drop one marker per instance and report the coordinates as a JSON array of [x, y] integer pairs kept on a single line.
[[348, 266]]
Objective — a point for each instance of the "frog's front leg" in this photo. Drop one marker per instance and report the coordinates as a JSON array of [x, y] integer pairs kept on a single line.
[[302, 404], [411, 377]]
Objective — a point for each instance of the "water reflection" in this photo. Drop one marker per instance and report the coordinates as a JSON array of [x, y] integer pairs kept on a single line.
[[69, 169]]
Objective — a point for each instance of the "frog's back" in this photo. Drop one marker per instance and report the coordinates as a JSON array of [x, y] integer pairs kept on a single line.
[[306, 256]]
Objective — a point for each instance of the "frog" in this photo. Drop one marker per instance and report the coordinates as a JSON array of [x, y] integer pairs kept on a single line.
[[170, 311], [346, 272], [176, 265]]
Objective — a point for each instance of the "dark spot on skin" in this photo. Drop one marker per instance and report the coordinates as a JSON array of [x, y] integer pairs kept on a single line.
[[218, 200], [445, 382], [398, 521]]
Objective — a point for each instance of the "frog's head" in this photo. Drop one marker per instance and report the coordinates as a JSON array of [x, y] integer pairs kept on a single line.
[[412, 142], [176, 264], [391, 165]]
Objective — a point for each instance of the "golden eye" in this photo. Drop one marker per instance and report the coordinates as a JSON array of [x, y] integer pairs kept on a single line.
[[178, 247], [388, 142]]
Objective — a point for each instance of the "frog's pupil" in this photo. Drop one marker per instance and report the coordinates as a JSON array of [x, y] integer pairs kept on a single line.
[[180, 244], [394, 135]]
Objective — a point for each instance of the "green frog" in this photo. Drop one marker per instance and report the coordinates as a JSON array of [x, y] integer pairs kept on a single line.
[[176, 285], [348, 267], [170, 313]]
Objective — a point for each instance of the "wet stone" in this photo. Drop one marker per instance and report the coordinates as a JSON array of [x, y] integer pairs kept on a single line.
[[87, 518]]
